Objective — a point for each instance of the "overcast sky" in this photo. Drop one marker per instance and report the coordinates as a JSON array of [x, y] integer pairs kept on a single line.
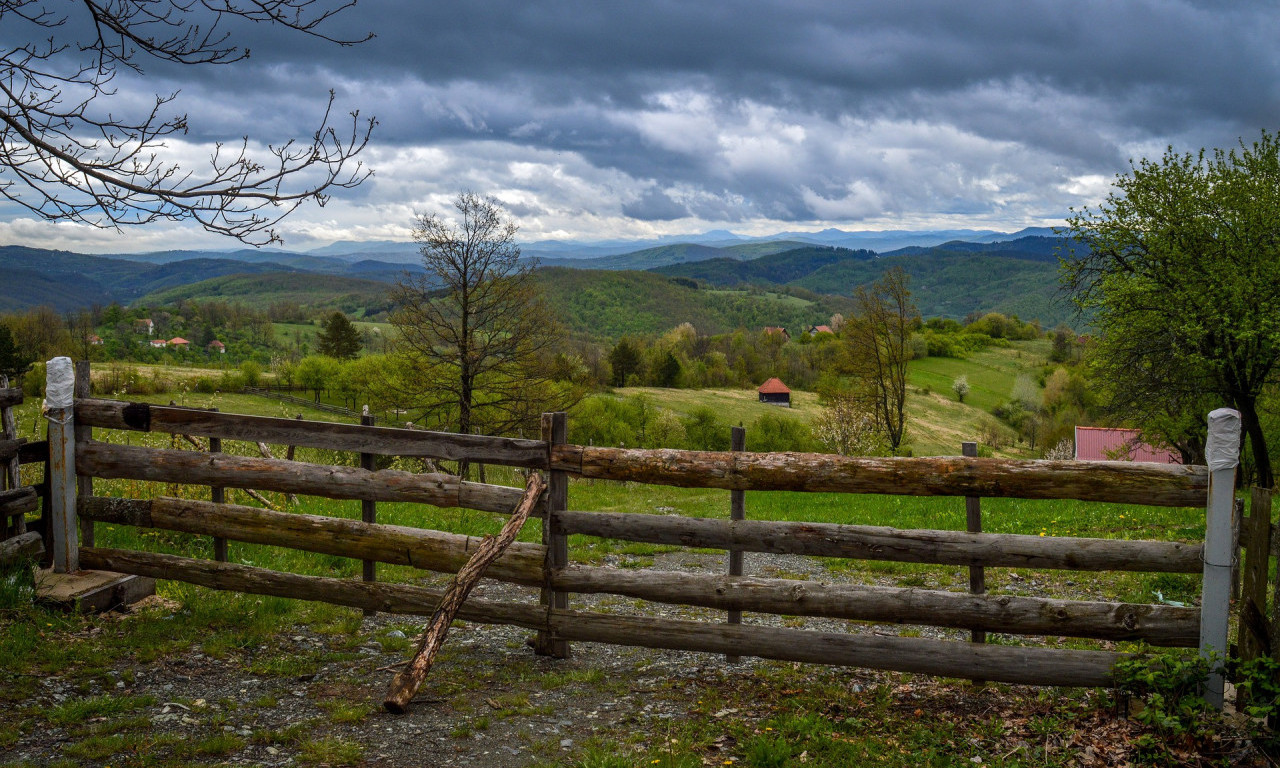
[[601, 119]]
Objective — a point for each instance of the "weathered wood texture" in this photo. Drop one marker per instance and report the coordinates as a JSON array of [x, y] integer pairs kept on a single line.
[[522, 564], [169, 466], [9, 396], [34, 452], [18, 501], [1254, 636], [866, 542], [1158, 624], [394, 544], [314, 434], [24, 546], [973, 524], [554, 431], [405, 685], [737, 511], [1114, 481], [84, 433], [9, 449], [1034, 666], [368, 508]]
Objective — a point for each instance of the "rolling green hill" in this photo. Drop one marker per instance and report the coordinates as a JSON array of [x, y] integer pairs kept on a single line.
[[353, 296], [772, 269]]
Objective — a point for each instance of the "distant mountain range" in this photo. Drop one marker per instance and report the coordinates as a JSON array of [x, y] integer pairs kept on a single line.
[[981, 271]]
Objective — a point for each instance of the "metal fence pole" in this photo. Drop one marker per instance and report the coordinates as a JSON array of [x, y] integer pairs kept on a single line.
[[1222, 448]]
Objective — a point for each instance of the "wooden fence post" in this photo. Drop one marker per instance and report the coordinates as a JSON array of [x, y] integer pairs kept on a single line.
[[737, 511], [12, 474], [60, 404], [1222, 448], [555, 431], [218, 495], [84, 483], [973, 524], [368, 507], [1254, 635]]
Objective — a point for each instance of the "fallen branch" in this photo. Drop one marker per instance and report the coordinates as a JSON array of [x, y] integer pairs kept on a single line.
[[406, 683], [26, 546]]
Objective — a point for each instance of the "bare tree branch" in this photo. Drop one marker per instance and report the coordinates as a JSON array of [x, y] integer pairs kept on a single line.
[[63, 156]]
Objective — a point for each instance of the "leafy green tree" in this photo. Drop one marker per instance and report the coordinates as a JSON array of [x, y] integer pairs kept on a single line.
[[317, 373], [12, 361], [624, 360], [1180, 269], [338, 338]]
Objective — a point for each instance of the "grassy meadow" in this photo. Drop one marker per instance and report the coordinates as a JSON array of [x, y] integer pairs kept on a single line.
[[795, 713]]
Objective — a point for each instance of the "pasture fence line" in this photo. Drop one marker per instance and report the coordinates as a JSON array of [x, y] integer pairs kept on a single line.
[[547, 566]]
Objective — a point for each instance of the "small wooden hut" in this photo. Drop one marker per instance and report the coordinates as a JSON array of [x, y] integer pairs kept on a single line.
[[775, 392]]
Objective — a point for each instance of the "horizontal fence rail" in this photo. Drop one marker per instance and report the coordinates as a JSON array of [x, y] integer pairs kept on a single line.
[[866, 542], [386, 441], [1011, 664], [1165, 485], [227, 471], [523, 564]]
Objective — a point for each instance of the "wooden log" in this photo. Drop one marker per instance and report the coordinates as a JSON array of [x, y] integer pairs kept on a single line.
[[1253, 636], [1161, 625], [973, 524], [167, 466], [315, 434], [217, 495], [1010, 664], [265, 451], [26, 546], [1116, 481], [34, 452], [866, 542], [398, 545], [405, 685], [9, 396], [9, 449], [16, 502]]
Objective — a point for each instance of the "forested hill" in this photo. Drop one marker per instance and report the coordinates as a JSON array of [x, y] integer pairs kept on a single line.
[[1015, 277], [610, 304]]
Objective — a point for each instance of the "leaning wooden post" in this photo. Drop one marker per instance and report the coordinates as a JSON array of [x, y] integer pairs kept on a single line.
[[555, 431], [368, 507], [218, 495], [84, 483], [407, 683], [737, 511], [59, 408], [1222, 448], [973, 524]]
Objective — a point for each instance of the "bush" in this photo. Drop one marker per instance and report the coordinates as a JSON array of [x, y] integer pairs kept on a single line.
[[776, 432]]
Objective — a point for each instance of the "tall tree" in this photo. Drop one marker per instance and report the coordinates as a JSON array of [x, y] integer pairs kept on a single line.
[[1180, 269], [473, 330], [71, 149], [338, 338], [877, 335]]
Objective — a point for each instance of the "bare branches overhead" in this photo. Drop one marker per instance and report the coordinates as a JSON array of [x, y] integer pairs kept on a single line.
[[66, 154]]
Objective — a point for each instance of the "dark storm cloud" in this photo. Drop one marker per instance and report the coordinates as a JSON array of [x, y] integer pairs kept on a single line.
[[788, 111]]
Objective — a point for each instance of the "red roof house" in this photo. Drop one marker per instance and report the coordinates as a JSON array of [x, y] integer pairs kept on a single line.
[[1108, 444], [775, 392], [772, 330], [218, 347], [817, 329], [178, 341]]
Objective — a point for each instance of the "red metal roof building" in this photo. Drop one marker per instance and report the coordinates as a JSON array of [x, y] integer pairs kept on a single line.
[[775, 392], [1108, 444]]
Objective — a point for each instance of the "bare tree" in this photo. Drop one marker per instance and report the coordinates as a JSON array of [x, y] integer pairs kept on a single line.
[[68, 152], [473, 329], [878, 333]]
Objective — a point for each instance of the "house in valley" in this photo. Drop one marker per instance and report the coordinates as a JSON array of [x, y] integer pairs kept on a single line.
[[144, 325], [217, 346]]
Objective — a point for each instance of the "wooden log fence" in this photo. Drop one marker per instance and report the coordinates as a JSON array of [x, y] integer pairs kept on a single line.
[[546, 566]]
